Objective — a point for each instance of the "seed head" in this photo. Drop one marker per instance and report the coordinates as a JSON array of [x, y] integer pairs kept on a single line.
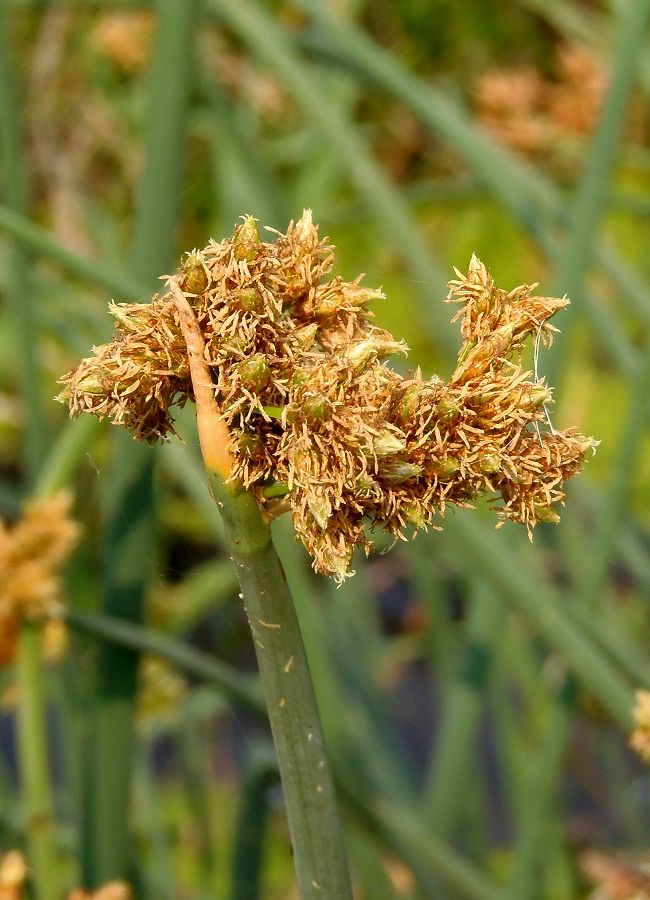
[[313, 411]]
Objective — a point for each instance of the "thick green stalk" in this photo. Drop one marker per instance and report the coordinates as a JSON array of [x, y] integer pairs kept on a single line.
[[543, 777], [318, 847]]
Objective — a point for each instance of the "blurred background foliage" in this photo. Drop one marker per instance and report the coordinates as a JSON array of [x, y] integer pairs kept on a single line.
[[476, 691]]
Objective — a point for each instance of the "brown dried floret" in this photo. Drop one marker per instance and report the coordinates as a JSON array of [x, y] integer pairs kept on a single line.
[[315, 416]]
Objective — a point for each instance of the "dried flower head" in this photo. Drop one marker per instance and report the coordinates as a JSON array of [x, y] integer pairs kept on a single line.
[[32, 552], [314, 419]]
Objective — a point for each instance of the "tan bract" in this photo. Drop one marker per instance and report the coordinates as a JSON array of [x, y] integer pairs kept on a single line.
[[318, 423]]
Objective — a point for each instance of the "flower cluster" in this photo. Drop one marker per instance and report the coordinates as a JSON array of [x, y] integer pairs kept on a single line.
[[31, 555], [317, 422]]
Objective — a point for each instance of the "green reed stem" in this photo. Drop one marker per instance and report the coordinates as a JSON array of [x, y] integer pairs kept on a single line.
[[20, 293], [25, 233], [33, 755], [531, 196], [593, 189], [238, 688], [318, 847], [272, 44], [456, 746], [38, 801], [129, 543], [252, 821], [586, 218]]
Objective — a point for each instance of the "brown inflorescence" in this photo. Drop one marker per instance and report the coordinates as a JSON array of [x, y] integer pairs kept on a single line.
[[32, 553], [318, 423]]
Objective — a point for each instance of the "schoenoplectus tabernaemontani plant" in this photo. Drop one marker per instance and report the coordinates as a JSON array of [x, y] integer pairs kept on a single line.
[[298, 412]]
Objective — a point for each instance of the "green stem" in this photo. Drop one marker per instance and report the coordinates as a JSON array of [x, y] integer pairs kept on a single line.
[[33, 759], [272, 45], [318, 847], [129, 535], [248, 852], [26, 234], [36, 785], [20, 293], [593, 189], [238, 688], [464, 705]]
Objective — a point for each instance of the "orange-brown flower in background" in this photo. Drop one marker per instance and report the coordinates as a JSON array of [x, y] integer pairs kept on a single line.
[[13, 872], [640, 737], [529, 112], [113, 890], [617, 876], [125, 38], [13, 875], [317, 422], [32, 552]]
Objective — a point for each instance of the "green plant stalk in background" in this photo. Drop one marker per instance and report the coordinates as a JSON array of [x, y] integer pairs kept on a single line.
[[585, 222], [318, 847], [37, 795], [32, 744], [129, 536]]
